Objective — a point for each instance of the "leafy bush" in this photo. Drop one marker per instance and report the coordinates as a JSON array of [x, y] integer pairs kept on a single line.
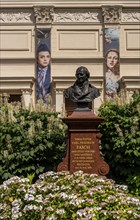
[[30, 141], [64, 196], [121, 140]]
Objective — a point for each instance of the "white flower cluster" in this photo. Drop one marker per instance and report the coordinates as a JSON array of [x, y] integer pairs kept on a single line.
[[57, 196]]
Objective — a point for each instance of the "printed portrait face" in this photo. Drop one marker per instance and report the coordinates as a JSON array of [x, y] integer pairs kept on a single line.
[[112, 59], [43, 67], [112, 62], [44, 58]]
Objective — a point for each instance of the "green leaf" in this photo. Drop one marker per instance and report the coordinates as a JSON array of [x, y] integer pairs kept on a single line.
[[136, 153], [6, 175]]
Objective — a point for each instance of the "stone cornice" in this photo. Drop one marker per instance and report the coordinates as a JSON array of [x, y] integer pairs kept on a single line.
[[49, 14], [17, 79], [68, 3], [22, 83]]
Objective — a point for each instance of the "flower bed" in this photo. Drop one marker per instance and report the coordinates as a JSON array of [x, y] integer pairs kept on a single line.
[[64, 196]]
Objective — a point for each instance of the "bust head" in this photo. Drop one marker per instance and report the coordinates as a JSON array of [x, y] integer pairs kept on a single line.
[[81, 91], [82, 74]]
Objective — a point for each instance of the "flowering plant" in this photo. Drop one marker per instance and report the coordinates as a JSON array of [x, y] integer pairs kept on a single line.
[[121, 140], [56, 196], [30, 141]]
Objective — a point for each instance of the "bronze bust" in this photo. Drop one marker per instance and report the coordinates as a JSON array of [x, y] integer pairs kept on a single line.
[[81, 90]]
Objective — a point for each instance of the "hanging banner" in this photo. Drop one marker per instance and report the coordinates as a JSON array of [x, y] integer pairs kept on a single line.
[[43, 57], [112, 62]]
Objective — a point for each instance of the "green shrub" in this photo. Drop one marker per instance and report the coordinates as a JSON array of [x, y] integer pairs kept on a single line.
[[121, 141], [30, 141]]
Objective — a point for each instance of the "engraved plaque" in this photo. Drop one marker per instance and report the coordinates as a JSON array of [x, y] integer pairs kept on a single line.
[[83, 156]]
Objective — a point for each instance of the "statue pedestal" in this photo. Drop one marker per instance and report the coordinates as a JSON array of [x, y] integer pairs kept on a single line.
[[83, 144]]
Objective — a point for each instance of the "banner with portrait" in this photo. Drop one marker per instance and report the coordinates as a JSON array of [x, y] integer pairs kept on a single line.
[[112, 62], [43, 57]]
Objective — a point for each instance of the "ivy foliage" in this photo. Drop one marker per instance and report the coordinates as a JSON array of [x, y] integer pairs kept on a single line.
[[30, 141], [121, 141]]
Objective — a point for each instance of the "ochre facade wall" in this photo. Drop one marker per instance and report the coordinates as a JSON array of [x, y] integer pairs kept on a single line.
[[76, 39]]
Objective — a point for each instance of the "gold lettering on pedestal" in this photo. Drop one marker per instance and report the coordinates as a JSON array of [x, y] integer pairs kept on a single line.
[[81, 161], [83, 147], [83, 153]]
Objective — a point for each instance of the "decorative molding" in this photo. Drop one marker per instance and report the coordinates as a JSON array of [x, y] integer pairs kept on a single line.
[[44, 14], [77, 15], [130, 15], [16, 16], [112, 14], [47, 15], [59, 91], [27, 92]]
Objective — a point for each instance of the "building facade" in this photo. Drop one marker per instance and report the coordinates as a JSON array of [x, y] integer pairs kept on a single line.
[[77, 38]]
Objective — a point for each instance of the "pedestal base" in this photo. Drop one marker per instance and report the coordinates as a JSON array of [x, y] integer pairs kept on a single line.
[[83, 144]]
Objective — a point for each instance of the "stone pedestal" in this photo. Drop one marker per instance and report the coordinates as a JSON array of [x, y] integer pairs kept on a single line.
[[83, 144]]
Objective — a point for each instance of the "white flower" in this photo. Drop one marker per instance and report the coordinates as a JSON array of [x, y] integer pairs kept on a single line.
[[132, 200], [25, 180], [28, 207], [57, 188], [49, 209], [100, 180], [16, 216], [123, 187], [97, 208], [29, 197], [72, 196], [63, 187], [93, 175], [32, 190], [32, 207], [16, 202], [104, 212], [22, 189], [81, 212], [60, 211], [15, 213], [15, 210], [111, 198], [63, 195], [12, 180], [78, 173], [39, 198], [52, 217], [76, 202]]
